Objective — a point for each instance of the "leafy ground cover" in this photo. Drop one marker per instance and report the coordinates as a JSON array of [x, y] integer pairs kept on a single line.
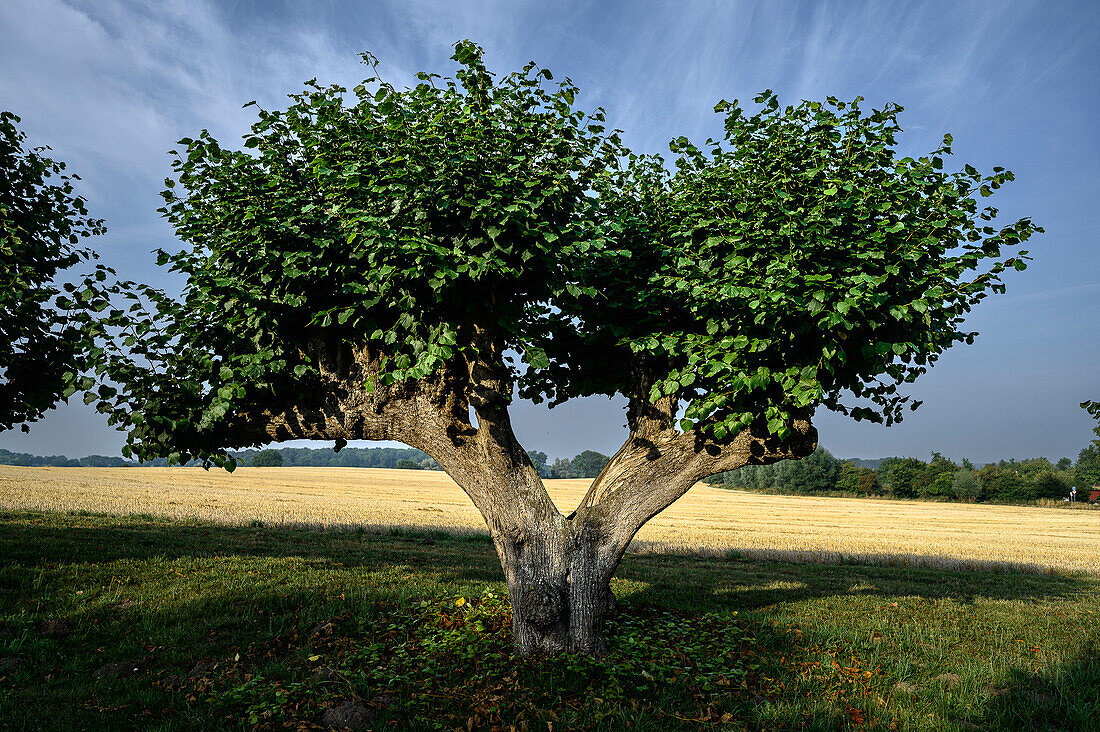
[[132, 622]]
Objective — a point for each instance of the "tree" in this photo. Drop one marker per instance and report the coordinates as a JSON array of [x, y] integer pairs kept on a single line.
[[902, 477], [562, 469], [538, 460], [42, 344], [1087, 469], [406, 464], [589, 463], [815, 473], [939, 477], [966, 486], [376, 269], [858, 480], [267, 459]]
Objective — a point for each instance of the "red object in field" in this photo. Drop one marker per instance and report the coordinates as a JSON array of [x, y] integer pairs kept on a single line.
[[1094, 496]]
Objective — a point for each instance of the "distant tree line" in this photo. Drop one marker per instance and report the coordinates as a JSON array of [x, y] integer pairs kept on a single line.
[[587, 464], [407, 458], [60, 461], [1007, 481]]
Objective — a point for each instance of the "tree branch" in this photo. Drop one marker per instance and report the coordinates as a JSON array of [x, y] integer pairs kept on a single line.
[[653, 469]]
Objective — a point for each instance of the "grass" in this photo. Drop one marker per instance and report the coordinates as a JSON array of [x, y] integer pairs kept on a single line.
[[269, 627], [707, 521]]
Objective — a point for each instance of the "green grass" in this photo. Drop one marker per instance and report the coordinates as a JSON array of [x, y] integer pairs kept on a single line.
[[267, 627]]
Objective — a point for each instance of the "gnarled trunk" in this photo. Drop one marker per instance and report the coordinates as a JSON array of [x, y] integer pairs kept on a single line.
[[558, 574]]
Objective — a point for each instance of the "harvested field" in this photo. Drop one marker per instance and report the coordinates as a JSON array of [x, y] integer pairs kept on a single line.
[[707, 521]]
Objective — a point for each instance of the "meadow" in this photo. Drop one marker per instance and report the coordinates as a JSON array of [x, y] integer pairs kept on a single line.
[[372, 599], [707, 521]]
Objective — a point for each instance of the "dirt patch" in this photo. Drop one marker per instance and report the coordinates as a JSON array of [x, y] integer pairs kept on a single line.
[[118, 670], [351, 715], [203, 667], [948, 680], [55, 627]]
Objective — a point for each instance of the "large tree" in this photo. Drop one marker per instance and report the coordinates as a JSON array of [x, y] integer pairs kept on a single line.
[[400, 263], [43, 345]]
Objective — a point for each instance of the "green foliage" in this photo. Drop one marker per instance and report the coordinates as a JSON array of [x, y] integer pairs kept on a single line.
[[966, 486], [589, 463], [267, 459], [43, 347], [1023, 480], [538, 459], [857, 480], [1087, 469], [405, 464], [816, 473], [902, 477], [939, 477], [795, 259]]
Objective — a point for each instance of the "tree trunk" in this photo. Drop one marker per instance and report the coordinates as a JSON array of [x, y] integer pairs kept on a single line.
[[558, 576]]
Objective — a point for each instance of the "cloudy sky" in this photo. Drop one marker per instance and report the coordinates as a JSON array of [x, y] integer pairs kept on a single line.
[[111, 85]]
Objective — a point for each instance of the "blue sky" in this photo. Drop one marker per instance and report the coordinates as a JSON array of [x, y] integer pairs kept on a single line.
[[112, 85]]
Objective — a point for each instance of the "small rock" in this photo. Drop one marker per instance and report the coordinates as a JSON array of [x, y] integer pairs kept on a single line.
[[9, 664], [118, 670], [55, 627], [906, 688], [949, 680], [353, 715]]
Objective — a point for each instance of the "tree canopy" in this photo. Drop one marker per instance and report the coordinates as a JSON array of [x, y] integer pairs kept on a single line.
[[42, 343], [793, 261]]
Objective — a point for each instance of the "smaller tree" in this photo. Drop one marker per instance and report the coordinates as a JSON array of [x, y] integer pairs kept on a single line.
[[562, 468], [902, 477], [43, 346], [406, 464], [939, 477], [1087, 469], [966, 486], [589, 463], [538, 460], [268, 459]]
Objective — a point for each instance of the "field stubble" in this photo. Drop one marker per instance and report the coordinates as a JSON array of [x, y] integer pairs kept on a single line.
[[707, 521]]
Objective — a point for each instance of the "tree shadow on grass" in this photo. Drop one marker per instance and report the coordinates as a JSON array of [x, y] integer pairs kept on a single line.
[[687, 582], [749, 584], [1064, 698], [232, 608]]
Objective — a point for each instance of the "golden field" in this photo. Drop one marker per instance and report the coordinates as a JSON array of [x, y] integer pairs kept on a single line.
[[707, 520]]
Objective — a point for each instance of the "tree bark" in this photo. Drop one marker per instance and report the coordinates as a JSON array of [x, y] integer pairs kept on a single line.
[[559, 582]]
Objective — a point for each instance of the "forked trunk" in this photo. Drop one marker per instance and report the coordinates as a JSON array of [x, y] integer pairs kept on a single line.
[[559, 584]]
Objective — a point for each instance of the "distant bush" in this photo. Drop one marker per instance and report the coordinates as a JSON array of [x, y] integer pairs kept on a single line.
[[267, 459], [406, 464]]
